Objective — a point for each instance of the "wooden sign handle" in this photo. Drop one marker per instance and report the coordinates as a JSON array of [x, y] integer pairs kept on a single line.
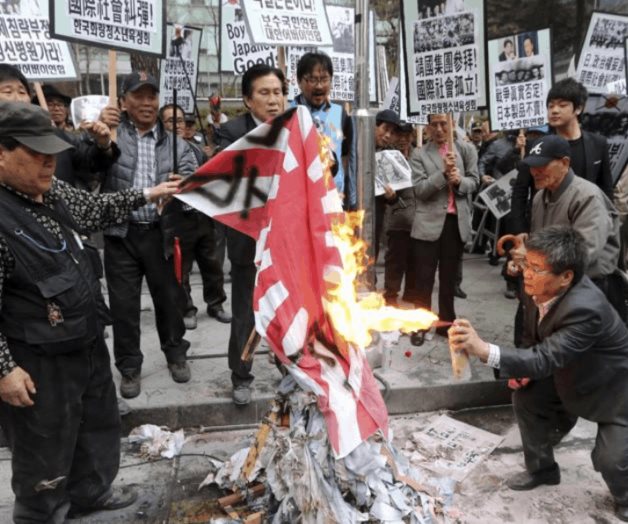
[[113, 85], [40, 95]]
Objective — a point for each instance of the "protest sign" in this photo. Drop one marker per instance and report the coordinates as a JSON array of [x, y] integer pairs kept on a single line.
[[393, 170], [520, 77], [126, 25], [26, 44], [287, 22], [237, 51], [87, 108], [342, 55], [180, 68], [608, 116], [498, 195], [602, 59], [444, 55]]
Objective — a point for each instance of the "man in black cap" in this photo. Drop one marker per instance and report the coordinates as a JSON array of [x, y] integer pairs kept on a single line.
[[58, 107], [58, 404], [142, 246]]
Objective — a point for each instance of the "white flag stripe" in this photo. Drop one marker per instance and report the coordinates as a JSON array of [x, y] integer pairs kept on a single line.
[[268, 304], [306, 382], [315, 170], [355, 371], [329, 239], [265, 262], [331, 202], [294, 338], [274, 187], [260, 246], [289, 160], [198, 198], [305, 123], [261, 131]]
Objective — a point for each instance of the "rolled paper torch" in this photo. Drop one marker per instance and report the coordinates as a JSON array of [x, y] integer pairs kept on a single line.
[[178, 272]]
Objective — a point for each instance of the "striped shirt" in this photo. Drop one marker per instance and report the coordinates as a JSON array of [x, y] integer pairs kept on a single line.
[[145, 172]]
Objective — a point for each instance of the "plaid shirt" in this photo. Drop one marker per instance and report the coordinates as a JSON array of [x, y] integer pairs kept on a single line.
[[145, 172]]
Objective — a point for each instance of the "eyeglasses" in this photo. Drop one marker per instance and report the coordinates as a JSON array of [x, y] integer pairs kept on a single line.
[[178, 121], [314, 80], [526, 266], [55, 105]]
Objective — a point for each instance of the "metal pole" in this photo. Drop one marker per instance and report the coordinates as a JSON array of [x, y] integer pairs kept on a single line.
[[365, 130]]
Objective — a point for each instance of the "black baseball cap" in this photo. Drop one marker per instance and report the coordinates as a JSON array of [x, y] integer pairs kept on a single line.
[[138, 79], [189, 117], [389, 116], [51, 91], [31, 126], [546, 149]]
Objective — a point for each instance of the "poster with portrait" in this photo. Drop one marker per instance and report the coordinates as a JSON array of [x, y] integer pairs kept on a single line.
[[498, 195], [124, 25], [26, 44], [608, 115], [444, 55], [287, 22], [520, 76], [237, 50], [343, 62], [87, 108], [392, 169], [179, 70], [602, 59]]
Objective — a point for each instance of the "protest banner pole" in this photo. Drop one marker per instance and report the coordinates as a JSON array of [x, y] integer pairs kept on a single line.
[[113, 85], [522, 151], [175, 111], [365, 131], [450, 133], [419, 136], [40, 95]]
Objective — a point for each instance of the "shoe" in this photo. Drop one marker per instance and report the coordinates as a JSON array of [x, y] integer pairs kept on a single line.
[[525, 481], [242, 394], [121, 497], [621, 512], [493, 260], [459, 293], [219, 314], [130, 385], [180, 371], [123, 408], [510, 293], [190, 320]]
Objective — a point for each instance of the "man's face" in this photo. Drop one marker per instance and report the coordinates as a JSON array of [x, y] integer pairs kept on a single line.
[[58, 110], [384, 134], [508, 48], [142, 106], [528, 47], [266, 100], [539, 281], [170, 122], [189, 131], [476, 135], [316, 85], [27, 171], [550, 175], [13, 91], [439, 128], [560, 112]]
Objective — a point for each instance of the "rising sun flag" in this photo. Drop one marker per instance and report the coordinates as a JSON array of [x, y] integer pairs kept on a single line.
[[275, 185]]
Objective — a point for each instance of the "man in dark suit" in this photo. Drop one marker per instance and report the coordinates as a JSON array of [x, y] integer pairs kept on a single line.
[[578, 366], [263, 90]]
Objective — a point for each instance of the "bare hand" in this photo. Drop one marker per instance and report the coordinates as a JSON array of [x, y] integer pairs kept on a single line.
[[521, 141], [462, 337], [110, 115], [163, 192], [15, 388], [389, 192], [99, 131], [453, 177], [174, 176], [487, 180], [518, 383]]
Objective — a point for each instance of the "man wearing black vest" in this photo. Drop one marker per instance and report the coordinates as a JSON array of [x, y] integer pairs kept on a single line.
[[57, 398]]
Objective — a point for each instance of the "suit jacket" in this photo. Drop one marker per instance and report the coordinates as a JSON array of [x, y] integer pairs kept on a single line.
[[584, 345], [431, 191], [240, 247]]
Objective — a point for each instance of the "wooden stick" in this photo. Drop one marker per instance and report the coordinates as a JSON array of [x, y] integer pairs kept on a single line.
[[238, 496], [523, 149], [450, 134], [40, 95], [419, 136], [250, 346], [113, 85], [271, 419]]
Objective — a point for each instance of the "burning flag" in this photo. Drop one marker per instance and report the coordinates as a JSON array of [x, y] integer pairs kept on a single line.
[[274, 184]]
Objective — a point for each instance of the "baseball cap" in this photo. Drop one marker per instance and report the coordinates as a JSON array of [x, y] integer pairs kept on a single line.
[[543, 130], [546, 149], [51, 91], [31, 126], [138, 79], [476, 125], [387, 115], [189, 117]]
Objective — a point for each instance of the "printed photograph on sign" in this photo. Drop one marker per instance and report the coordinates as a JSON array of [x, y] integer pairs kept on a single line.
[[443, 48], [87, 108], [26, 44], [392, 169], [602, 58], [520, 76], [341, 21]]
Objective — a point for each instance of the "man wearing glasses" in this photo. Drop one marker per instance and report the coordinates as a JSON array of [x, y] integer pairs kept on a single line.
[[314, 75], [578, 364]]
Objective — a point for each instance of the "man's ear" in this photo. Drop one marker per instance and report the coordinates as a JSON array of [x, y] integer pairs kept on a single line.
[[566, 278]]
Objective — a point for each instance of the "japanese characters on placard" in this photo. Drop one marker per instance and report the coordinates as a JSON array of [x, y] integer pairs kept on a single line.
[[602, 58], [237, 51], [25, 43], [133, 25], [520, 77], [180, 68], [444, 55], [287, 22]]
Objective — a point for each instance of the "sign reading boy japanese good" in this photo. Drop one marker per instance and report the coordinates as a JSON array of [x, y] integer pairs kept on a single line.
[[602, 58], [444, 55], [237, 51], [342, 56], [287, 22], [26, 44], [520, 77], [127, 25], [180, 68]]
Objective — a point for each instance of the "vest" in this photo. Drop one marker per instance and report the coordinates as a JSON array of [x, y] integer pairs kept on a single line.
[[50, 300]]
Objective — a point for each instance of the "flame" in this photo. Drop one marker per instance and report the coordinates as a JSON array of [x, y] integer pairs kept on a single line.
[[352, 317]]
